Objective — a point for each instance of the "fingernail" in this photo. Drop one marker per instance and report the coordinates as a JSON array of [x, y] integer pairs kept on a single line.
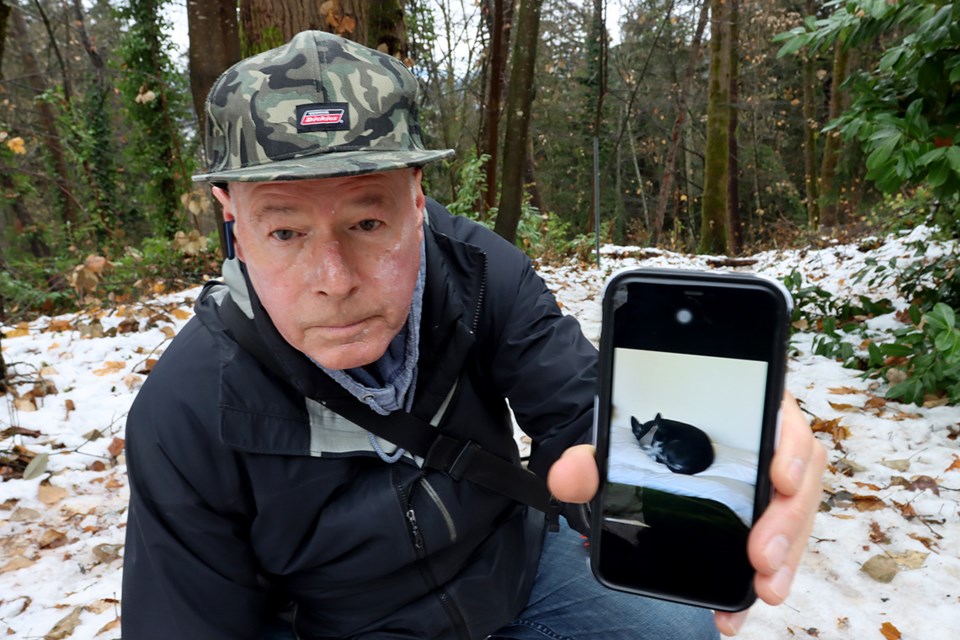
[[797, 468], [780, 584], [732, 626], [776, 552]]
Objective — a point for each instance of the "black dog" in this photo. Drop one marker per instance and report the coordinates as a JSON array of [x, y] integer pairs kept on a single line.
[[682, 447]]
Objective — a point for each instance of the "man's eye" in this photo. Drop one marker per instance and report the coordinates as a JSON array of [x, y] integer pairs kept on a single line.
[[283, 234], [368, 225]]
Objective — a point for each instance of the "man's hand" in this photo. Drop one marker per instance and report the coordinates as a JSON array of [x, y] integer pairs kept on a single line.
[[778, 539]]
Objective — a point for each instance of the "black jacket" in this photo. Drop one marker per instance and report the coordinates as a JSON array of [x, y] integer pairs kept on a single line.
[[246, 491]]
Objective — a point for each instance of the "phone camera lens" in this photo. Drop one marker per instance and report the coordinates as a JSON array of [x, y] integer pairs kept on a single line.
[[684, 316]]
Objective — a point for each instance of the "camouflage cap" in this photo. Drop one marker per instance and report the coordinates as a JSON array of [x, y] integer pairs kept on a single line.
[[318, 106]]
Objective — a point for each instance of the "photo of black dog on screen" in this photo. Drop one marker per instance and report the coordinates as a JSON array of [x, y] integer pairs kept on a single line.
[[682, 447]]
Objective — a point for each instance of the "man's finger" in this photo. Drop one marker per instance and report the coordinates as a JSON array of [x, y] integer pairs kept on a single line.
[[574, 477]]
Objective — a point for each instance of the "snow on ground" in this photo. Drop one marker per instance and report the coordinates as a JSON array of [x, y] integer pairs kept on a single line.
[[891, 495]]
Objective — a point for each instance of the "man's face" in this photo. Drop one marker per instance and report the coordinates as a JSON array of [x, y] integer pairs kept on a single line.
[[334, 260]]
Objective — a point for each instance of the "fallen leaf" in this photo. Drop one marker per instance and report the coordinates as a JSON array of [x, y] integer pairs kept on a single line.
[[15, 564], [133, 381], [867, 485], [181, 314], [868, 503], [906, 510], [36, 467], [107, 553], [110, 626], [955, 465], [927, 542], [26, 404], [877, 535], [889, 631], [875, 402], [897, 465], [881, 568], [110, 366], [169, 332], [24, 514], [59, 326], [910, 559], [101, 605], [838, 406], [51, 494], [843, 391], [920, 483], [116, 447], [19, 332], [51, 539], [66, 626]]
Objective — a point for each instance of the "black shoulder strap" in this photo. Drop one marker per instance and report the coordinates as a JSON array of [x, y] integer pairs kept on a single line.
[[458, 459]]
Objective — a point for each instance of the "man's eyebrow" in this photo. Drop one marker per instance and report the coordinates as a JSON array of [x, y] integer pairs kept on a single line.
[[270, 209]]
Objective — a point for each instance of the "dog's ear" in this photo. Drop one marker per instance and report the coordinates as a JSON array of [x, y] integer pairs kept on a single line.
[[634, 422], [657, 419]]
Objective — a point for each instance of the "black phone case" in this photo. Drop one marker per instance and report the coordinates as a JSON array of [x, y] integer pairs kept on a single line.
[[745, 595]]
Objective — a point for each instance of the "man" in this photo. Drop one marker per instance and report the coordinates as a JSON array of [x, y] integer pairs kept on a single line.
[[258, 512]]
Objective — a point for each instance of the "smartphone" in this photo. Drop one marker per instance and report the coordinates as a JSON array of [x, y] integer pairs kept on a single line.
[[691, 380]]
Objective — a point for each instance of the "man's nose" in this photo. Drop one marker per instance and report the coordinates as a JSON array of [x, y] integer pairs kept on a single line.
[[334, 272]]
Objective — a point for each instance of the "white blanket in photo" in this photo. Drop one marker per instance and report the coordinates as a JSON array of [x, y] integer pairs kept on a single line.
[[729, 480]]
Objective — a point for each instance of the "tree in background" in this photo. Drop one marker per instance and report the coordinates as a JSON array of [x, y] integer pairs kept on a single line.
[[266, 24], [154, 101], [713, 216], [905, 109], [519, 104], [216, 25]]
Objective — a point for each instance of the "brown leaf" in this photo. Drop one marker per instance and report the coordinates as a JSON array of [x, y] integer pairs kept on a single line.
[[107, 553], [51, 494], [59, 326], [867, 485], [877, 535], [889, 631], [110, 366], [868, 503], [881, 568], [843, 391], [924, 482], [842, 407], [51, 539], [910, 559], [955, 465], [116, 447], [130, 325], [110, 626], [927, 542], [15, 564], [66, 626], [181, 314], [837, 431], [906, 510]]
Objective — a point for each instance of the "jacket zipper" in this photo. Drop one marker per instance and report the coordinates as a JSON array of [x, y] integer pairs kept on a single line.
[[419, 549], [480, 295]]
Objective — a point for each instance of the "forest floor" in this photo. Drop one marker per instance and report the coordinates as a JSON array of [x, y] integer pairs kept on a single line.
[[882, 562]]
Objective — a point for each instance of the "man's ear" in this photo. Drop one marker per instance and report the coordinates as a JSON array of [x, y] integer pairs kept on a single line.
[[231, 248], [419, 199]]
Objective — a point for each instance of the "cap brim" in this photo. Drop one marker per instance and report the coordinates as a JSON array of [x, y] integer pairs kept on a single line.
[[327, 165]]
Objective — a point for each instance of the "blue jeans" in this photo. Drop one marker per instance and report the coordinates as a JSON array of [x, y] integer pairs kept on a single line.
[[567, 603]]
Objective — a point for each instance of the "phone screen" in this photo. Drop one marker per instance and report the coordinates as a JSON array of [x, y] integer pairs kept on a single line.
[[692, 378]]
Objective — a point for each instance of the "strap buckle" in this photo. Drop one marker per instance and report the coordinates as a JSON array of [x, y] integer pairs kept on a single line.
[[460, 463]]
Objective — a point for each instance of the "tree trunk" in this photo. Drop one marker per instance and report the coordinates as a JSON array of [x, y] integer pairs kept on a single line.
[[519, 103], [670, 164], [4, 14], [810, 129], [48, 122], [377, 24], [735, 235], [214, 33], [829, 190], [713, 215], [490, 138], [597, 82]]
